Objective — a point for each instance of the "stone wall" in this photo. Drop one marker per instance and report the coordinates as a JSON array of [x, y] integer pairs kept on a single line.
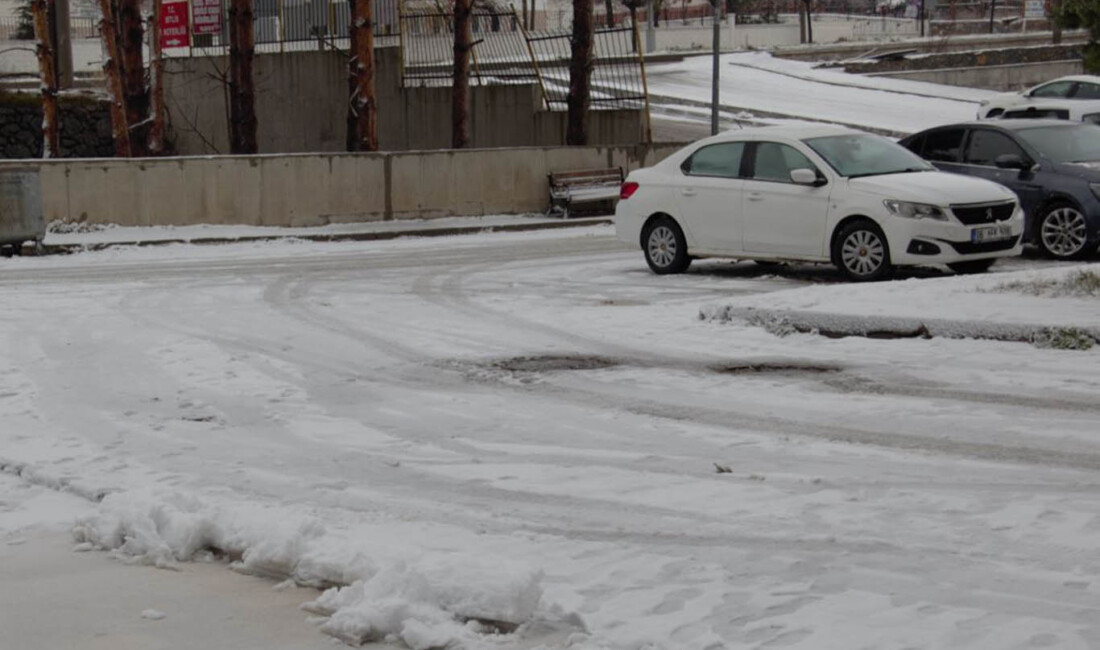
[[85, 126], [972, 59]]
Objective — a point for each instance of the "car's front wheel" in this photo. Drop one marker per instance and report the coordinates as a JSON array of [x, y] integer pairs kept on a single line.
[[665, 247], [972, 266], [1063, 232], [861, 252]]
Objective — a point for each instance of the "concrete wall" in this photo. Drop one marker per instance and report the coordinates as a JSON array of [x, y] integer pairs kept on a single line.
[[996, 77], [316, 189], [301, 106], [674, 36]]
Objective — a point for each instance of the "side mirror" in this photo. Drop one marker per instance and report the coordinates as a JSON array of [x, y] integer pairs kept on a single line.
[[806, 177], [1011, 161]]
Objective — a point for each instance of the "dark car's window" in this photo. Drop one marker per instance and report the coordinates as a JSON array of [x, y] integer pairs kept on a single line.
[[862, 154], [986, 145], [774, 162], [1087, 91], [1054, 89], [723, 160], [944, 146], [1033, 113], [1070, 143]]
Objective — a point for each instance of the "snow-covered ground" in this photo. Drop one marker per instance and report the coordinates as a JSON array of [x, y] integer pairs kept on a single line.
[[528, 440], [757, 83]]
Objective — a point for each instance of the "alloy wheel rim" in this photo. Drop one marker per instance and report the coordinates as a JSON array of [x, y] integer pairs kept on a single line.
[[1064, 232], [662, 246], [863, 253]]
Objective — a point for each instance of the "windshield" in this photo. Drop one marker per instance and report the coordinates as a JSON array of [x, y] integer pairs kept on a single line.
[[856, 155], [1069, 143]]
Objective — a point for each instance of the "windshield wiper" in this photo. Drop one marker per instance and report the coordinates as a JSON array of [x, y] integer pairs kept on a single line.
[[907, 170]]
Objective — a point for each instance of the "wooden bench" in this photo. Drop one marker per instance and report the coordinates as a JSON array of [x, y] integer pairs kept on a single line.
[[587, 191]]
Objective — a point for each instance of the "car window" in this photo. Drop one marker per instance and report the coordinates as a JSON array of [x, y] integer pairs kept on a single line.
[[774, 162], [986, 145], [1061, 144], [1087, 91], [944, 146], [1036, 113], [1053, 89], [723, 160]]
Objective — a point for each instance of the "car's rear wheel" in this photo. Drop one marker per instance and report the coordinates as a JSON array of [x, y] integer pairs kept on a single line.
[[1063, 232], [861, 252], [665, 247], [972, 266]]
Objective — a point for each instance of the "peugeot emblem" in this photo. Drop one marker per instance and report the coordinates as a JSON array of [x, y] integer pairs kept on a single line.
[[989, 214]]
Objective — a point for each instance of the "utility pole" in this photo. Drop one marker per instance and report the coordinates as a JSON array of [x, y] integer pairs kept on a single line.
[[650, 31], [714, 67]]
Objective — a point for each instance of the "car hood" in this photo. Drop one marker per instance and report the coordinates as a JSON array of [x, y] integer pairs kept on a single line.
[[1089, 171], [939, 188]]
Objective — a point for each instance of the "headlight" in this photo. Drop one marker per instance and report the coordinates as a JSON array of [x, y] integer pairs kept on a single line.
[[1095, 187], [914, 210]]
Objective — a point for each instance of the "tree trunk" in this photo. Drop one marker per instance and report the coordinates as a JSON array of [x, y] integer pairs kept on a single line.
[[130, 41], [364, 101], [460, 127], [580, 66], [809, 21], [634, 24], [801, 23], [51, 133], [156, 84], [1055, 19], [242, 90], [120, 129], [609, 7], [655, 7]]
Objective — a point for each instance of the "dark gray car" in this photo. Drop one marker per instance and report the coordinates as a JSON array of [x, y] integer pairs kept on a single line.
[[1052, 165]]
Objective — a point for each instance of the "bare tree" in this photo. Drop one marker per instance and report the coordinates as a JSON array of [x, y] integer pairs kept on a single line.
[[364, 102], [51, 133], [609, 8], [580, 67], [460, 127], [120, 129], [242, 90], [130, 41], [156, 84]]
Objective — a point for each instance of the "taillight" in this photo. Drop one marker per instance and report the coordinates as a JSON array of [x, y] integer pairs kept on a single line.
[[627, 190]]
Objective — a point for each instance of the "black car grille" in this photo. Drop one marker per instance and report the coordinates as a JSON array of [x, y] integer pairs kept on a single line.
[[973, 215], [969, 248]]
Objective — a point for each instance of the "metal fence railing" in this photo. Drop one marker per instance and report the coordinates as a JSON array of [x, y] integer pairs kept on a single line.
[[13, 29], [499, 56], [291, 25], [504, 53]]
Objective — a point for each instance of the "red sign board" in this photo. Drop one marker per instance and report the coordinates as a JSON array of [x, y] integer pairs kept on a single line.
[[173, 25], [207, 16]]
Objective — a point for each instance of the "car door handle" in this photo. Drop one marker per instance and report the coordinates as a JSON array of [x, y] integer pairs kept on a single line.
[[687, 191], [755, 196]]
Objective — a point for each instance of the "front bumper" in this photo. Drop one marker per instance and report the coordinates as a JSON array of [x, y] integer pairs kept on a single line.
[[924, 241]]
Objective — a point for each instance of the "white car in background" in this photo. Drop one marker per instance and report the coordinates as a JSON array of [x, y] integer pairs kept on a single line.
[[1075, 110], [814, 194], [1059, 93]]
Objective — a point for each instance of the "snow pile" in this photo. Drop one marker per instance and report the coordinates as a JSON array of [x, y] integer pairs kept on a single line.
[[425, 600], [1017, 306], [430, 605]]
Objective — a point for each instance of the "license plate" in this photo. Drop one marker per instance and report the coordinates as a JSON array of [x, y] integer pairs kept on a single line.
[[990, 233]]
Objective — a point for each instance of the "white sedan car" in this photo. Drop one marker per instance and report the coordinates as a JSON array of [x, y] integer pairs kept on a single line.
[[1061, 91], [814, 194]]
